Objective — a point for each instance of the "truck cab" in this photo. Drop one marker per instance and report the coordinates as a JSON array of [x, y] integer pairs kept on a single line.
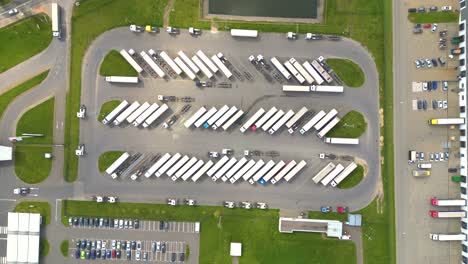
[[80, 150], [172, 30], [172, 201], [291, 35], [194, 31], [135, 28], [82, 112]]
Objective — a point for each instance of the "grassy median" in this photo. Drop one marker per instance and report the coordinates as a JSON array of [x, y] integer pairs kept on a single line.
[[116, 65], [64, 246], [348, 71], [106, 108], [24, 39], [42, 208], [352, 125], [107, 158], [38, 120], [353, 179], [434, 17]]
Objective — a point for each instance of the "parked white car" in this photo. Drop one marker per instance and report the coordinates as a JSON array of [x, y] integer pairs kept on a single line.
[[13, 12], [446, 8]]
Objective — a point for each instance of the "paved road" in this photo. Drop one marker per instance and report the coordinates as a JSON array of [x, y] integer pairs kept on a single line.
[[306, 195]]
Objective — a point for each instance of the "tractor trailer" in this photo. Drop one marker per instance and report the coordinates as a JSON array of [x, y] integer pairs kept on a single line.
[[244, 33], [252, 120], [224, 118], [216, 116], [281, 122], [323, 172], [264, 118], [152, 64], [202, 171], [448, 237], [140, 119], [234, 169], [115, 112], [312, 122], [345, 173], [259, 164], [157, 165], [339, 168], [447, 121], [280, 68], [242, 171], [202, 67], [221, 66], [185, 69], [205, 116], [131, 61], [170, 62], [168, 164], [120, 118], [195, 117], [121, 79], [295, 170], [150, 120], [207, 61], [447, 214], [138, 112], [117, 163], [192, 170], [448, 202], [259, 174], [233, 119], [301, 70], [189, 62], [318, 79], [343, 141]]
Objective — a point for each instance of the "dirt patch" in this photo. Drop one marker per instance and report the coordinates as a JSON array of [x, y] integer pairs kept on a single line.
[[363, 163], [214, 27], [380, 198], [381, 141], [167, 12], [381, 117]]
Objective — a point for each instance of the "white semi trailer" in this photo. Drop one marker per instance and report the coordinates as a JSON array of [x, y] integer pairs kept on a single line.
[[207, 61], [110, 117], [138, 112], [216, 116], [233, 119], [332, 175], [206, 116], [345, 173], [295, 170], [170, 62], [244, 33], [234, 169], [202, 67], [259, 164], [322, 71], [221, 66], [224, 169], [327, 118], [328, 127], [296, 118], [448, 237], [294, 72], [343, 141], [296, 88], [202, 171], [242, 171], [273, 120], [157, 165], [168, 164], [283, 172], [139, 120], [153, 64], [217, 166], [326, 89], [224, 117], [173, 169], [301, 70], [280, 68], [448, 202], [317, 77], [307, 126], [193, 169], [117, 163], [264, 118], [56, 30], [252, 120], [126, 113], [259, 174], [195, 117], [281, 122], [121, 79], [131, 61], [150, 120], [268, 176], [189, 62], [184, 168], [185, 69], [323, 172]]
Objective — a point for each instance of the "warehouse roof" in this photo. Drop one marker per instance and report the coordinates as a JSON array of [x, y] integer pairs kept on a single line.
[[6, 153], [23, 238]]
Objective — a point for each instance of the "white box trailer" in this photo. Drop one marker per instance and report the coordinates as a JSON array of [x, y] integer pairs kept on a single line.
[[273, 120], [280, 68], [217, 166], [138, 112], [317, 77], [326, 89], [234, 169], [252, 120], [202, 171], [447, 121], [280, 165], [448, 202], [168, 164], [121, 79], [193, 169], [295, 170], [110, 117], [255, 168], [294, 72], [448, 237], [332, 175], [259, 174], [425, 166], [195, 117], [242, 171], [345, 173], [244, 33], [224, 169], [116, 164], [150, 120], [140, 119], [296, 117], [207, 61], [225, 117], [202, 67], [206, 116], [323, 172], [283, 172], [281, 122], [189, 62], [322, 71], [327, 118], [301, 70], [221, 66], [131, 61], [177, 166], [153, 64], [216, 116], [184, 168], [328, 127], [56, 31], [170, 62], [307, 126], [185, 69], [233, 119], [343, 141], [157, 165], [126, 113], [447, 214], [264, 118], [296, 88]]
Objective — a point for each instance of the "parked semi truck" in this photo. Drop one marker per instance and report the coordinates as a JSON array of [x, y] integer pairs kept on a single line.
[[221, 66], [153, 65], [264, 118], [205, 116], [323, 172], [234, 169], [301, 70], [255, 168], [184, 168], [157, 165], [189, 62], [294, 72], [56, 30], [242, 171], [224, 169], [295, 170], [339, 168], [224, 118], [260, 173], [447, 214], [296, 119], [448, 202], [322, 71], [317, 77], [252, 120], [193, 169], [296, 88], [307, 126], [207, 61], [448, 237], [202, 171], [114, 113], [342, 141], [174, 168], [244, 33], [345, 173], [185, 69], [131, 61], [233, 119], [273, 120], [170, 62], [150, 120], [326, 89], [280, 68], [202, 67], [140, 119], [327, 118], [281, 122], [120, 118], [117, 163], [138, 112], [217, 166], [283, 172], [447, 121], [168, 164], [328, 127], [216, 116], [195, 117], [271, 173], [121, 79]]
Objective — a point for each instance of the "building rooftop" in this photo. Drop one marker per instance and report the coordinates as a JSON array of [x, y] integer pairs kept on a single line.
[[6, 153], [236, 249]]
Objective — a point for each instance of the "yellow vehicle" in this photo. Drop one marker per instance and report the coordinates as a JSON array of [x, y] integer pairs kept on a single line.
[[421, 173]]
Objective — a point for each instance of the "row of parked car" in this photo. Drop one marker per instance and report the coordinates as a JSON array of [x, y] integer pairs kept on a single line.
[[104, 222], [428, 62], [433, 156], [436, 104], [423, 9]]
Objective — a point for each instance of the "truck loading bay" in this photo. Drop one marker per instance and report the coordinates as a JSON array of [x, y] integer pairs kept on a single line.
[[249, 95]]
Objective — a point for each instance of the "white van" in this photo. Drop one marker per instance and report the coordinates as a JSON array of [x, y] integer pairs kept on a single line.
[[197, 227], [426, 166]]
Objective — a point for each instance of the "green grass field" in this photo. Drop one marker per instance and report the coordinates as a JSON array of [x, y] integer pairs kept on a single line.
[[44, 247], [348, 71], [38, 120], [23, 40], [30, 165], [89, 20], [107, 158], [256, 229], [106, 108], [64, 248], [9, 96], [434, 17], [42, 208], [352, 125], [115, 65], [353, 179], [4, 2]]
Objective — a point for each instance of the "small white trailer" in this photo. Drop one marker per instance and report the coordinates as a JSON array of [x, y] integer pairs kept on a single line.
[[329, 116], [252, 120], [202, 171], [206, 116], [216, 116], [328, 127], [185, 69], [110, 117], [255, 168], [116, 164], [170, 62], [283, 172], [294, 72], [301, 70], [126, 113], [207, 61], [323, 172], [193, 169], [131, 61], [157, 165], [195, 117], [317, 77], [448, 237], [140, 119], [296, 88], [264, 118], [295, 170], [233, 119], [184, 168], [224, 169], [343, 141], [189, 62], [272, 172], [280, 68], [221, 66], [244, 33], [121, 79], [242, 171], [224, 118], [326, 89], [296, 118], [234, 169], [307, 126], [177, 166], [281, 122], [168, 164], [150, 120], [325, 181], [217, 166], [138, 112], [345, 173], [153, 64], [202, 67], [259, 174]]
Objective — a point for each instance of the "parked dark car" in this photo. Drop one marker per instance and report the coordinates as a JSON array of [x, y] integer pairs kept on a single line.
[[77, 254], [412, 10], [425, 104], [173, 256], [421, 9], [452, 170]]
